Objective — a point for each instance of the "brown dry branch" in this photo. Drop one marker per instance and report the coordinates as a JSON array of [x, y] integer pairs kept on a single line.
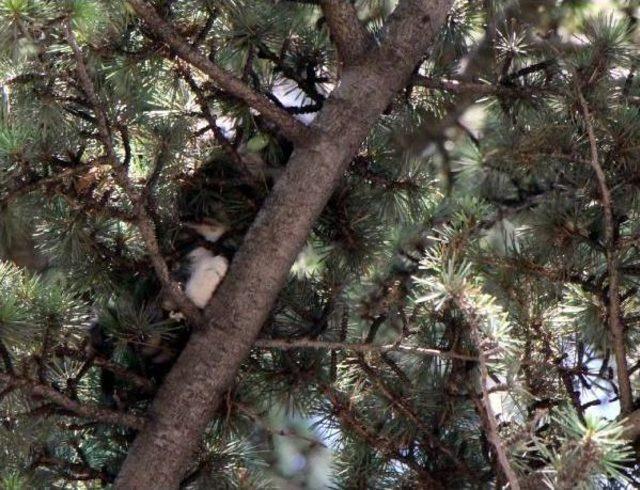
[[144, 220], [119, 370], [483, 402], [384, 446], [290, 127], [480, 89], [365, 347], [26, 188], [72, 472], [614, 312], [85, 410], [404, 408]]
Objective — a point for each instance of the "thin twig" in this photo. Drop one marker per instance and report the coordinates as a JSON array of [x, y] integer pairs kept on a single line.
[[476, 88], [343, 410], [404, 408], [290, 127], [616, 328], [144, 221], [484, 403], [222, 140], [253, 415], [118, 370], [91, 411], [43, 182], [319, 344]]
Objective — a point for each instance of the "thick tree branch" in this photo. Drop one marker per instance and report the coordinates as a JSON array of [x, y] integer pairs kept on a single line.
[[208, 365], [348, 33], [90, 411], [290, 127], [614, 313]]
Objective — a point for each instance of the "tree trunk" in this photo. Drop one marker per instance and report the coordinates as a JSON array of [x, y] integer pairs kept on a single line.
[[194, 388]]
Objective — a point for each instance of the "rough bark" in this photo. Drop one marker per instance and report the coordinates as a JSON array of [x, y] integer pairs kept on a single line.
[[208, 365], [631, 425], [347, 32]]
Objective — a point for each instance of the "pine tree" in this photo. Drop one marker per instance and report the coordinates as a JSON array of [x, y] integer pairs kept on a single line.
[[431, 211]]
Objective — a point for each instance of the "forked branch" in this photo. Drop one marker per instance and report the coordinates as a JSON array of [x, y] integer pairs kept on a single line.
[[144, 221], [290, 127]]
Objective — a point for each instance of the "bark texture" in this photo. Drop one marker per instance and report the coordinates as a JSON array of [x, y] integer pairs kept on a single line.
[[347, 32], [208, 365], [631, 425]]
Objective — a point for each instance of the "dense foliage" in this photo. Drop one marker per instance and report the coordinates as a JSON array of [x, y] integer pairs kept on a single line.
[[464, 313]]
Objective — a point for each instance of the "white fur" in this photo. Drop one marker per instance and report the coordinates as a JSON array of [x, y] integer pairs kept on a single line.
[[207, 271], [210, 232]]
